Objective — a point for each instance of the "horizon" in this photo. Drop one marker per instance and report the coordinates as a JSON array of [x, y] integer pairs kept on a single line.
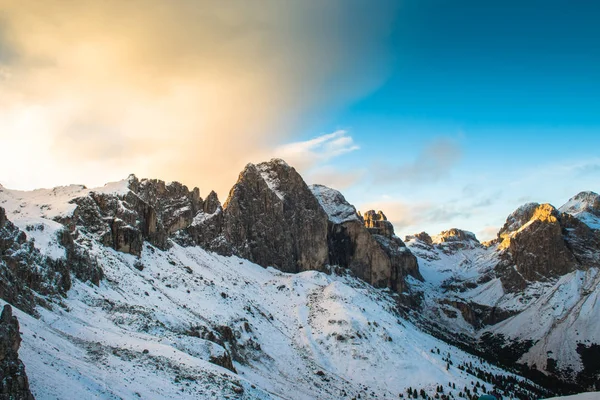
[[440, 115]]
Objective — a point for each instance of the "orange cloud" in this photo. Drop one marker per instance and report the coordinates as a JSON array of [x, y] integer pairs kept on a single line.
[[192, 91]]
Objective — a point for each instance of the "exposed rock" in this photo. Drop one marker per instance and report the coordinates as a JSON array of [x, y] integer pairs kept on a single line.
[[272, 218], [336, 207], [365, 245], [535, 246], [455, 235], [151, 211], [23, 270], [14, 384], [211, 204], [479, 315], [377, 223], [423, 237], [453, 240], [172, 203]]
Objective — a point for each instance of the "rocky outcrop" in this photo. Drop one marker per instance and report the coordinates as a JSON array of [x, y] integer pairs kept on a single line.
[[365, 245], [172, 205], [454, 240], [151, 210], [377, 223], [478, 315], [13, 380], [272, 218], [456, 235], [423, 237], [534, 247], [23, 270]]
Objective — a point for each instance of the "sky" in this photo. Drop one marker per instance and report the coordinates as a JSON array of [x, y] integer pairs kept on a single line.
[[442, 114]]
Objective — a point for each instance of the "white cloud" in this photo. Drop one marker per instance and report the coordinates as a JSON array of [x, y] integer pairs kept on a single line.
[[309, 154]]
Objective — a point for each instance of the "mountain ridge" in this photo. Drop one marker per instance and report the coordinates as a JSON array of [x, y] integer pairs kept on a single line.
[[447, 285]]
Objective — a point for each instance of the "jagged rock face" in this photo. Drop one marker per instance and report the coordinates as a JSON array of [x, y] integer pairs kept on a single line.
[[13, 380], [172, 203], [582, 241], [352, 246], [366, 245], [422, 236], [211, 204], [24, 270], [272, 218], [151, 210], [535, 246], [456, 235], [377, 223]]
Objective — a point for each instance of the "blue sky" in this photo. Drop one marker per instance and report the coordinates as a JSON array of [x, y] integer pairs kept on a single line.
[[511, 88], [441, 113]]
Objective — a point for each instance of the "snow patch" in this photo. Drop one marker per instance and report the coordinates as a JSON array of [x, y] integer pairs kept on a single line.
[[335, 205]]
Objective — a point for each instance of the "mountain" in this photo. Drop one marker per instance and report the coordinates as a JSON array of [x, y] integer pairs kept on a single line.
[[529, 298], [144, 289]]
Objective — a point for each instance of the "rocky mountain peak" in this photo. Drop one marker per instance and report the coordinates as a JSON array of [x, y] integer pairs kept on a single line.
[[365, 245], [517, 219], [272, 218], [532, 241], [455, 235], [211, 203], [377, 223], [422, 237], [525, 216], [583, 201], [585, 206]]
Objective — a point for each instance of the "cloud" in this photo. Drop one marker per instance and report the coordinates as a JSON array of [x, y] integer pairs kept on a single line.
[[433, 163], [307, 154], [178, 90]]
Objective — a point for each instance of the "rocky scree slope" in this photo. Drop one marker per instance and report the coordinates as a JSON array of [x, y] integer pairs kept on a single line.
[[529, 297]]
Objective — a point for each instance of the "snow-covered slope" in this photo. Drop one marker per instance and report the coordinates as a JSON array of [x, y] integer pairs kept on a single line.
[[335, 205], [586, 207], [186, 323], [550, 322]]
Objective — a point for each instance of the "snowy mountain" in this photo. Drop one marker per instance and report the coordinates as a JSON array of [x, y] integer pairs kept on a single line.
[[143, 289], [531, 297]]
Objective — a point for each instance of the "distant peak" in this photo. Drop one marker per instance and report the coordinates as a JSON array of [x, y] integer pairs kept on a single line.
[[422, 236], [581, 202], [455, 235], [586, 195]]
